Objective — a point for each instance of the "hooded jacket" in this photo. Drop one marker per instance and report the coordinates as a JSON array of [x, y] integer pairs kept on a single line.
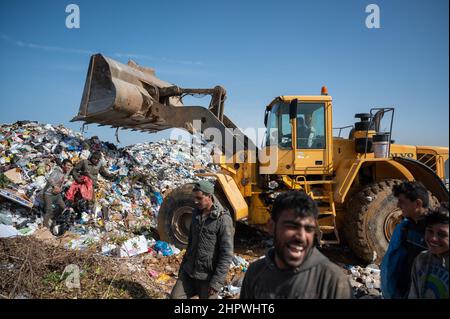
[[316, 278], [87, 168], [210, 249], [429, 277]]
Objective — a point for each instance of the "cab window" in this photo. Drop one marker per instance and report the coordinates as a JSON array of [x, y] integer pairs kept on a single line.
[[310, 126]]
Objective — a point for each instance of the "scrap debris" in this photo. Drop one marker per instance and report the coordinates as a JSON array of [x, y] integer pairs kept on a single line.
[[115, 246]]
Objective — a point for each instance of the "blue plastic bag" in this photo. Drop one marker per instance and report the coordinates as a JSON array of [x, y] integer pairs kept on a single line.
[[164, 248], [159, 198]]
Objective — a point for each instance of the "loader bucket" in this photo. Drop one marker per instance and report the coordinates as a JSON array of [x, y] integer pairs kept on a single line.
[[132, 97], [122, 95]]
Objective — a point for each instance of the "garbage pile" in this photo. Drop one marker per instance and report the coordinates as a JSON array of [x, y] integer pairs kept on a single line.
[[126, 209], [238, 268], [365, 281]]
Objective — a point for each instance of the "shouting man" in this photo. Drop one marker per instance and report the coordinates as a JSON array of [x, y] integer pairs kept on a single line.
[[294, 268]]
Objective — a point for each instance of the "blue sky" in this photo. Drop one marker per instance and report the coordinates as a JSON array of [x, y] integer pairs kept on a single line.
[[256, 49]]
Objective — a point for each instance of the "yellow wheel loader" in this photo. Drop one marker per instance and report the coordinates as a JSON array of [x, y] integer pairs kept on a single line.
[[350, 178]]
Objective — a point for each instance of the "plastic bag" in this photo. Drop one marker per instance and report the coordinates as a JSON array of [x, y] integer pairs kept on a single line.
[[164, 248]]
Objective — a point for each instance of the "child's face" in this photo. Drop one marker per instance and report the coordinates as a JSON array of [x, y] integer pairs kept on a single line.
[[436, 237]]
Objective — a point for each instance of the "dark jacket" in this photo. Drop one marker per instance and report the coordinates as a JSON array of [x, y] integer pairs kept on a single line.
[[210, 249], [316, 278], [86, 168]]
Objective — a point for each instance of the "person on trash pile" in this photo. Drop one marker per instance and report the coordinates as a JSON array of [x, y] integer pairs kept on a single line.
[[57, 155], [294, 268], [209, 253], [52, 191], [429, 275], [407, 240], [96, 145], [91, 168]]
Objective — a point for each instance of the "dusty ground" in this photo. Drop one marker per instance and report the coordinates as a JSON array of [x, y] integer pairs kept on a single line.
[[33, 267]]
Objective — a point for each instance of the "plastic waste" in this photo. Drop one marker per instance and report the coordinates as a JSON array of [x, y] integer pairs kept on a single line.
[[145, 173], [8, 231], [164, 248]]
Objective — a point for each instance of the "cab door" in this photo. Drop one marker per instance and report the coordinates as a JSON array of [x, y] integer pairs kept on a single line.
[[314, 145]]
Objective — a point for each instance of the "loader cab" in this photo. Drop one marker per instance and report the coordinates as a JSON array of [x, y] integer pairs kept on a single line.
[[299, 135]]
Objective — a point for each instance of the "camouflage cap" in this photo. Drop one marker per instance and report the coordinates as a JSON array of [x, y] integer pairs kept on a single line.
[[205, 187]]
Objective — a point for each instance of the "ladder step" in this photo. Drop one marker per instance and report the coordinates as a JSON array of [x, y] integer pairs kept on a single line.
[[325, 214], [325, 211], [320, 197], [327, 227]]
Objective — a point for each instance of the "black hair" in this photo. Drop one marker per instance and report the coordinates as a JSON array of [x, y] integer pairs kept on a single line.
[[438, 215], [66, 161], [58, 149], [295, 200], [96, 155], [413, 191]]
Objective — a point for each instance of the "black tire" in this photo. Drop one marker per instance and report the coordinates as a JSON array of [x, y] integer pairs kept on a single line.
[[175, 214], [174, 217], [371, 217], [369, 213]]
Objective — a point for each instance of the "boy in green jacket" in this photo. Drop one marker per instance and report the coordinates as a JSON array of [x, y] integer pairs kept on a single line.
[[429, 277]]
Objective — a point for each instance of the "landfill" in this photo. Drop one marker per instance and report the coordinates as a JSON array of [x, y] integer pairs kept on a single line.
[[145, 174], [122, 224], [117, 239]]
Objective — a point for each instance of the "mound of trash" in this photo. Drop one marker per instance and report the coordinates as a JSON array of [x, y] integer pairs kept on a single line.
[[125, 213]]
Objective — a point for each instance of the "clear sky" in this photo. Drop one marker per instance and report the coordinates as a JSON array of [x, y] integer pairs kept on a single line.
[[256, 49]]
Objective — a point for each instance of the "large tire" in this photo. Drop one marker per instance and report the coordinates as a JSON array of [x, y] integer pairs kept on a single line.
[[371, 217], [175, 214]]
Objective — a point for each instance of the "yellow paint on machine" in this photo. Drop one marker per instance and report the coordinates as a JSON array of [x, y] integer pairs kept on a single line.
[[233, 195]]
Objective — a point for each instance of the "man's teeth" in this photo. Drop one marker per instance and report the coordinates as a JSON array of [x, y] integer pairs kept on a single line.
[[297, 248]]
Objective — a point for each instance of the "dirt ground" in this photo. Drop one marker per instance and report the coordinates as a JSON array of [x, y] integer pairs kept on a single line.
[[36, 267]]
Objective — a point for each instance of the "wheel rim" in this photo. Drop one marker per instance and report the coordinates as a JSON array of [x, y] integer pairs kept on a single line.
[[181, 223], [392, 220]]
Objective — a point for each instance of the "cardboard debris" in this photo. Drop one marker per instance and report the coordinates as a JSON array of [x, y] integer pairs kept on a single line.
[[14, 175], [133, 247], [15, 197]]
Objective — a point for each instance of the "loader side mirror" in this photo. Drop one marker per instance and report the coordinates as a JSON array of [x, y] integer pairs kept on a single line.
[[293, 109], [266, 116]]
